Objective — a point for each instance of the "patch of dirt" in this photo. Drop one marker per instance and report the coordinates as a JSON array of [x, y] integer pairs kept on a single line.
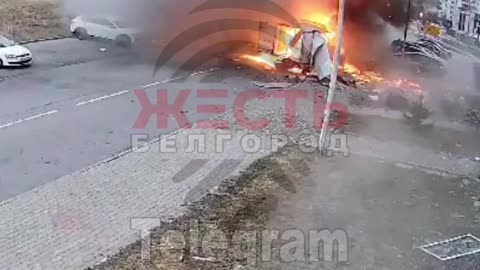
[[222, 230], [27, 19]]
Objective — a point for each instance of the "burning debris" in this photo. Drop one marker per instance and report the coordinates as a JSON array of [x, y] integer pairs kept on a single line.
[[281, 36], [273, 85], [296, 39], [305, 50], [301, 51]]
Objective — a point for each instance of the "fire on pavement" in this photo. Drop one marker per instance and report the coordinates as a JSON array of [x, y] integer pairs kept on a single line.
[[308, 50]]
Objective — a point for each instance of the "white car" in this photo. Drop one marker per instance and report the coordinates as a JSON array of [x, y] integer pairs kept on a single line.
[[104, 27], [12, 54]]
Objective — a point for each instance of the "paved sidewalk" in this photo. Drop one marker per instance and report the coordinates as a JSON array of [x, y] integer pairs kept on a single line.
[[381, 214], [80, 219]]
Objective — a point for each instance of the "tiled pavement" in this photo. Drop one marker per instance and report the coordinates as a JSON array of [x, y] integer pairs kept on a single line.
[[78, 220]]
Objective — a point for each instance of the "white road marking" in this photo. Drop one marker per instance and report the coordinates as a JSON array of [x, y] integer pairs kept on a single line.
[[204, 71], [28, 119], [425, 247], [102, 98], [181, 77], [150, 85], [145, 86], [172, 79], [164, 81]]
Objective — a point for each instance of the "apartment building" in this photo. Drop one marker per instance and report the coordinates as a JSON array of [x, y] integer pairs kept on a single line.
[[463, 15]]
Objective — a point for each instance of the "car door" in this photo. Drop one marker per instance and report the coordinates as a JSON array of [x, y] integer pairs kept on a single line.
[[101, 27]]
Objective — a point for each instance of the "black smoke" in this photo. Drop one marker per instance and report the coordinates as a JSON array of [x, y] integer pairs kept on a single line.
[[367, 26], [366, 23], [367, 12]]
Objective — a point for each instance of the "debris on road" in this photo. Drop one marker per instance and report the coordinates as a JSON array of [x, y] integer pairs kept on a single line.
[[473, 118], [476, 204], [418, 113], [303, 51], [272, 85], [295, 50]]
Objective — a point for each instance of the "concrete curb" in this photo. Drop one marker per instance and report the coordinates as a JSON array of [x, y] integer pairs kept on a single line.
[[44, 39]]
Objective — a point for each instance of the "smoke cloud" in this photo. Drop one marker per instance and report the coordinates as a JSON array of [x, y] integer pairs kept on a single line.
[[366, 21]]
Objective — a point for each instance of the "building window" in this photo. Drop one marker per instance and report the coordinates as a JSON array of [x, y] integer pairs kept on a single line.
[[461, 22]]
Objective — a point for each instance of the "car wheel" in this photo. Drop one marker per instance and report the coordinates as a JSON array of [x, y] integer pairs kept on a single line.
[[81, 33], [1, 63], [124, 41]]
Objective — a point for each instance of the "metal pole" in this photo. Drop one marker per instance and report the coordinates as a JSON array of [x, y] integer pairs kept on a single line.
[[407, 24], [333, 76]]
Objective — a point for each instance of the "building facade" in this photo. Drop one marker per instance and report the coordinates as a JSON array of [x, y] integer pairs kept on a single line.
[[462, 15]]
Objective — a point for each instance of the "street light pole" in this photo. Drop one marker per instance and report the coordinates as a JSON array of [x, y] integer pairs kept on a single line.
[[407, 25], [333, 76]]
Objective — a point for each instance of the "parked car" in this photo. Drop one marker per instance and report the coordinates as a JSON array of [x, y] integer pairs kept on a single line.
[[423, 55], [425, 45], [12, 54], [105, 27], [436, 48]]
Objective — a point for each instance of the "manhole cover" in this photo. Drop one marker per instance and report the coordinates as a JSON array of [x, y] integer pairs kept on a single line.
[[453, 248]]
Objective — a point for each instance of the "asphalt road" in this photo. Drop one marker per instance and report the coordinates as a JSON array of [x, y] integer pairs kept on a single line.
[[73, 108]]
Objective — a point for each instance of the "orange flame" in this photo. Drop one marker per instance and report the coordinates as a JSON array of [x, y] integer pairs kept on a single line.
[[267, 61], [362, 77], [325, 21]]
